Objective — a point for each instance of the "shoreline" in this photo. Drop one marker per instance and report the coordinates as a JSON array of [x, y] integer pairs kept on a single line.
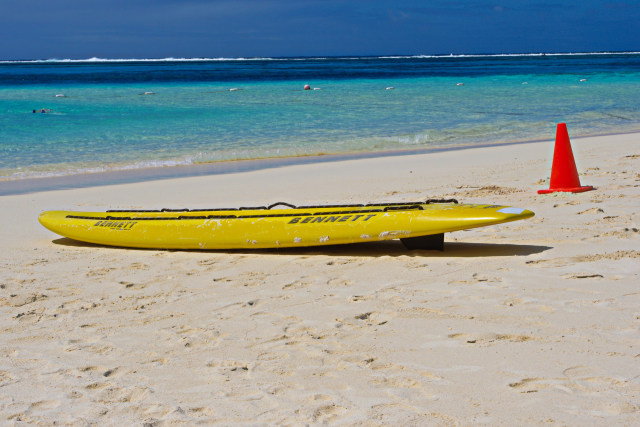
[[137, 175]]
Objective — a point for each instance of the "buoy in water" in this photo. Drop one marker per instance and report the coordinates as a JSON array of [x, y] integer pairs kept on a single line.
[[307, 87]]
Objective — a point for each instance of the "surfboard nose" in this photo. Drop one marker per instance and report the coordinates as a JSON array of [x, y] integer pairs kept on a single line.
[[48, 220], [44, 218]]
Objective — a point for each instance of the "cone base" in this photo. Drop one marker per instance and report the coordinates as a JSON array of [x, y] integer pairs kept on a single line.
[[567, 190]]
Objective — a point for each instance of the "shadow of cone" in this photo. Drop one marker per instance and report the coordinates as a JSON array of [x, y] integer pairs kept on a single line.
[[564, 175]]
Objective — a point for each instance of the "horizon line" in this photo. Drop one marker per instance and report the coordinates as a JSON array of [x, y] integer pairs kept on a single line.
[[324, 57]]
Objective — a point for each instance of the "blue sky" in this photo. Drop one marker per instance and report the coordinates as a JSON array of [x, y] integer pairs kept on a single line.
[[247, 28]]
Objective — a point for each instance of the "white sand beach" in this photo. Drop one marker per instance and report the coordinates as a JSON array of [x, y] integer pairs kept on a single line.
[[526, 323]]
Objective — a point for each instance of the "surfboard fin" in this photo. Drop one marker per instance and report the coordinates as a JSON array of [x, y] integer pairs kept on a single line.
[[434, 242]]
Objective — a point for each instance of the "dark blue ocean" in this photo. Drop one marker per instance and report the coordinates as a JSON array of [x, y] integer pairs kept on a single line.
[[96, 115]]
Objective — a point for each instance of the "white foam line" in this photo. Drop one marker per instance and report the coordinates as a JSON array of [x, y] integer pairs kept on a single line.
[[352, 58]]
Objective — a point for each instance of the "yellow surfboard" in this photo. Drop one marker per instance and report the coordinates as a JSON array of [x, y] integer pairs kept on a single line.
[[281, 225]]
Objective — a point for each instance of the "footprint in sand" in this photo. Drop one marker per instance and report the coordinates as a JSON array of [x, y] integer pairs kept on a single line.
[[15, 300], [529, 385], [403, 386], [477, 278], [513, 302], [270, 356], [591, 171], [328, 413], [295, 285], [581, 380], [481, 278], [490, 339], [33, 316], [20, 282], [139, 266], [36, 262], [614, 256], [303, 334], [99, 272], [490, 190], [583, 276], [45, 404], [340, 261], [371, 318], [203, 412], [401, 414], [549, 263], [192, 337], [625, 233], [424, 312], [339, 282], [569, 203], [158, 361], [85, 345], [592, 211], [133, 286], [130, 394], [230, 366], [6, 378]]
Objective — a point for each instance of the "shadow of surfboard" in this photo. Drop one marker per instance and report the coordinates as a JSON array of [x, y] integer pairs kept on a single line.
[[368, 249]]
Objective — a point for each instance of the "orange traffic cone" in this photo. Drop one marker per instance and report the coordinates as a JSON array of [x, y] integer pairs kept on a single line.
[[564, 175]]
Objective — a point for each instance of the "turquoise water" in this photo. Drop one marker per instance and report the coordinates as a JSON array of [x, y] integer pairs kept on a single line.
[[104, 121]]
